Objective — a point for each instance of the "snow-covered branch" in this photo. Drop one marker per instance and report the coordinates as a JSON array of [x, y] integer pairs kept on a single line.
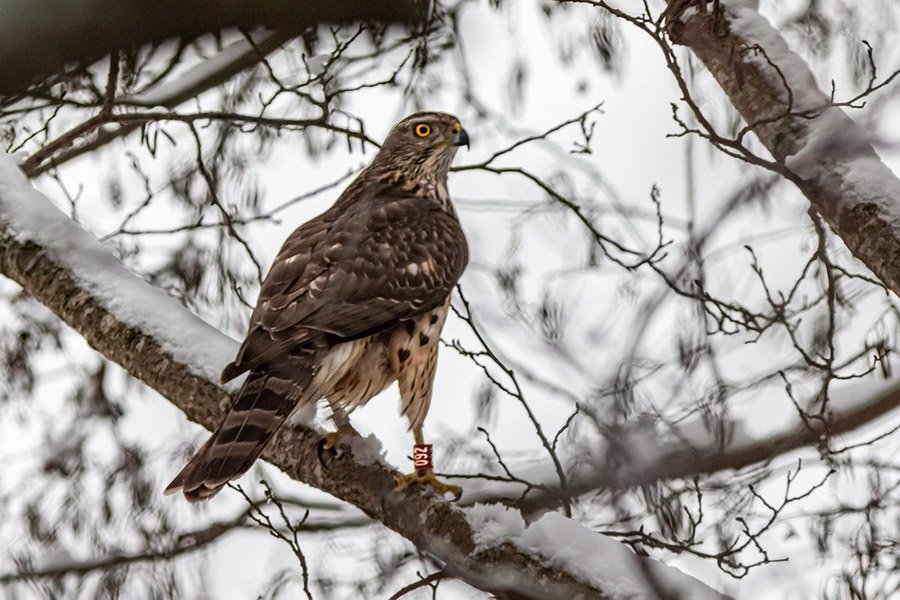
[[649, 452], [827, 155], [160, 342], [593, 557]]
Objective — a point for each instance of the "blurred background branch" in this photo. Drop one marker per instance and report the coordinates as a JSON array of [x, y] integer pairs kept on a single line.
[[41, 38]]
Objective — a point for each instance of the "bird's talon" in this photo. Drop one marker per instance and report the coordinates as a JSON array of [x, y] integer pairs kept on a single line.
[[428, 478], [330, 440], [320, 452]]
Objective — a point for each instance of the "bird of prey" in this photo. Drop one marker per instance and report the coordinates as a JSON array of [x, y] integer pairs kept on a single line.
[[355, 300]]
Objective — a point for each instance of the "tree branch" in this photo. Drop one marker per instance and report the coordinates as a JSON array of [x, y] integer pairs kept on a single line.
[[824, 152], [185, 543], [241, 54], [40, 37], [644, 457], [162, 344]]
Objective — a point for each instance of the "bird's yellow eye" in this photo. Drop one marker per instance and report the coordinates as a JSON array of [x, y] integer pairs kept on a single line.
[[423, 130], [457, 127]]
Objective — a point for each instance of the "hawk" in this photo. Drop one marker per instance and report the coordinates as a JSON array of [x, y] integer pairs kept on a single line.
[[355, 300]]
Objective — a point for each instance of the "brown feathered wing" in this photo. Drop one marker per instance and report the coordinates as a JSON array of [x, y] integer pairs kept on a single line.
[[355, 270]]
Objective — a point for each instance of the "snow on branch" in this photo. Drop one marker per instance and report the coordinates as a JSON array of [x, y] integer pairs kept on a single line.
[[29, 217], [241, 54], [815, 144], [644, 451], [593, 557], [163, 344]]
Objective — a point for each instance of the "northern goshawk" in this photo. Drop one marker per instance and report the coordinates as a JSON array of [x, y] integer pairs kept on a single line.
[[355, 300]]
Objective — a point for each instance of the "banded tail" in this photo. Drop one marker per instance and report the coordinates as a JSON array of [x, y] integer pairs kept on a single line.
[[262, 405]]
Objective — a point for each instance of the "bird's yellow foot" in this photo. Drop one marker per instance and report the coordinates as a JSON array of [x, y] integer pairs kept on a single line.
[[427, 478], [331, 439]]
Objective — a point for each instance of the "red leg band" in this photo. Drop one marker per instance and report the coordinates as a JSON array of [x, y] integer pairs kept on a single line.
[[422, 457]]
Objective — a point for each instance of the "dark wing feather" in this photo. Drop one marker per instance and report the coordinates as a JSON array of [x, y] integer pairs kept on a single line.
[[350, 273]]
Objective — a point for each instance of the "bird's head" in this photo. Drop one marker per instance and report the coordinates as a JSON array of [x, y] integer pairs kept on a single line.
[[425, 143]]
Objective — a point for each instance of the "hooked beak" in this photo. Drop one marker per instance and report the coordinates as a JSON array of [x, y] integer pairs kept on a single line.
[[461, 138]]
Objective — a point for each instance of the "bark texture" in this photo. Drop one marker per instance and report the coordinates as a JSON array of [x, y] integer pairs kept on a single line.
[[40, 37], [757, 90], [431, 523]]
